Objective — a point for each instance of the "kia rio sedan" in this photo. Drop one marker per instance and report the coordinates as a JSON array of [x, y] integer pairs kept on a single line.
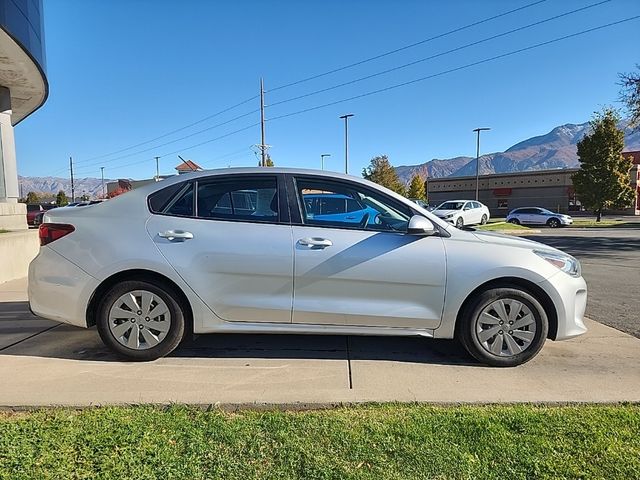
[[246, 251]]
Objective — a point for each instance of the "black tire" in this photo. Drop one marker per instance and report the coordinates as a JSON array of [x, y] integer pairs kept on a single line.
[[483, 220], [459, 222], [553, 223], [173, 336], [515, 221], [466, 330]]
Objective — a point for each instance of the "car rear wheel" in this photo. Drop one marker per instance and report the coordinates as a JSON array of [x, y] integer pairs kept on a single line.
[[459, 222], [503, 327], [483, 220], [553, 223], [141, 320], [515, 221]]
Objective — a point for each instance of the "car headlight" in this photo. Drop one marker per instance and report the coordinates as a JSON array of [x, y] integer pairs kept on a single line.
[[449, 215], [564, 262]]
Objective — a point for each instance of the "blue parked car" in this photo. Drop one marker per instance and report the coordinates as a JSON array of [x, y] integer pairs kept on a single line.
[[338, 208]]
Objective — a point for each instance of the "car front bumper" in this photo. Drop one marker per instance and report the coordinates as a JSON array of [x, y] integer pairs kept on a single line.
[[569, 296]]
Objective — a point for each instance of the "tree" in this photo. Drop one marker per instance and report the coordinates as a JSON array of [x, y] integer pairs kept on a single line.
[[603, 179], [416, 188], [85, 197], [32, 197], [630, 96], [381, 172], [269, 162], [61, 199]]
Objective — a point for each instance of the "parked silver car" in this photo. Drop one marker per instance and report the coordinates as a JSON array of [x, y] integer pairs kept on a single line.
[[248, 251], [538, 216]]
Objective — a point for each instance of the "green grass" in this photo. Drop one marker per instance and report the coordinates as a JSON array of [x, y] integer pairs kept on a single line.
[[500, 226], [591, 223], [368, 442], [3, 230]]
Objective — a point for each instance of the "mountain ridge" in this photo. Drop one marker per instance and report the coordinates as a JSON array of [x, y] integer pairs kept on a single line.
[[553, 150]]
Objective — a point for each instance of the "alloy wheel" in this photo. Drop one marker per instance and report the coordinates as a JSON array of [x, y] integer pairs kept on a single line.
[[139, 319], [506, 327]]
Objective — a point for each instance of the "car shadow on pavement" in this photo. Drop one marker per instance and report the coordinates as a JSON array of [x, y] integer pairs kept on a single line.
[[51, 340]]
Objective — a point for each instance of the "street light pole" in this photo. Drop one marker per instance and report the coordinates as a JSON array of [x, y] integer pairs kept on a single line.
[[478, 130], [102, 176], [322, 159], [157, 169], [346, 141]]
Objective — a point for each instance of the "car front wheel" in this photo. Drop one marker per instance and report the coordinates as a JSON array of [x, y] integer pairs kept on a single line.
[[515, 221], [553, 223], [459, 222], [141, 320], [503, 327]]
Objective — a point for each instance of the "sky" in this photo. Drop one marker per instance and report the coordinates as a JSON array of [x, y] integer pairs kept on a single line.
[[124, 72]]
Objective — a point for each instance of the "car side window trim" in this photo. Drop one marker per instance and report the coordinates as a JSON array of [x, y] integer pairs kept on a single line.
[[297, 212], [283, 217]]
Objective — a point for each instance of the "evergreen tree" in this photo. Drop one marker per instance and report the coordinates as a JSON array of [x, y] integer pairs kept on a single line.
[[61, 199], [32, 197], [269, 162], [416, 188], [381, 172], [603, 179]]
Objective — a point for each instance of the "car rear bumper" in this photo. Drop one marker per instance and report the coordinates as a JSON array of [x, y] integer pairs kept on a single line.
[[569, 295], [58, 289]]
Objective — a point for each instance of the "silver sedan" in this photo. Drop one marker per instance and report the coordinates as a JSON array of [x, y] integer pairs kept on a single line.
[[270, 250]]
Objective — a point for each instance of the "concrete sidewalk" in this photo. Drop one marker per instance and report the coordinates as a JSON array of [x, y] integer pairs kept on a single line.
[[42, 363]]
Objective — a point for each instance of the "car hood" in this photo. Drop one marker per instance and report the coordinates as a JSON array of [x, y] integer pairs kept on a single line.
[[443, 213], [511, 241]]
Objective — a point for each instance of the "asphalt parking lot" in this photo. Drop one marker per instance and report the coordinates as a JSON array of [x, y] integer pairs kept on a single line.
[[610, 259]]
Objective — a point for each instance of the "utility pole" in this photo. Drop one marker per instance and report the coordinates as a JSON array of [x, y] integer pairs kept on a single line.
[[102, 177], [263, 146], [478, 130], [322, 159], [73, 197], [157, 169], [346, 141]]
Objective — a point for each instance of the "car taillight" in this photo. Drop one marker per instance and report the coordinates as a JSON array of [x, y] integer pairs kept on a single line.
[[50, 232]]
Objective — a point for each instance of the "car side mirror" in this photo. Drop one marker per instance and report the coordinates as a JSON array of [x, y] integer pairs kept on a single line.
[[419, 225]]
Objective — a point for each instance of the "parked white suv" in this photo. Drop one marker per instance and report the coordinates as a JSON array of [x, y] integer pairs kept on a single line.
[[538, 216], [463, 212]]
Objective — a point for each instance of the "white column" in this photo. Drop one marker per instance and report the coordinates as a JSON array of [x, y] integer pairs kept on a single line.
[[8, 166]]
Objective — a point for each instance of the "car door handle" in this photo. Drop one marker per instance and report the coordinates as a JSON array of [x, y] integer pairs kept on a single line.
[[315, 243], [180, 235]]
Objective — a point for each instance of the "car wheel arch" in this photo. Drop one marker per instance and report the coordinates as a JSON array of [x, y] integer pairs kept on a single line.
[[144, 275], [511, 282]]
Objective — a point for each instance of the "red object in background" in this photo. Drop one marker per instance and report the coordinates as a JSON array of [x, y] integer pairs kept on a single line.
[[502, 192], [32, 212]]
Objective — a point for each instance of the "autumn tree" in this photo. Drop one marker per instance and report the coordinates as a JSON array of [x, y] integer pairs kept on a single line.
[[32, 197], [269, 162], [603, 179], [630, 96], [381, 172], [61, 199], [416, 188]]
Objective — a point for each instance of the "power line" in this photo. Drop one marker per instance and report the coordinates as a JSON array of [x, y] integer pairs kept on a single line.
[[128, 164], [468, 65], [398, 85], [155, 147], [209, 117], [406, 47], [431, 57]]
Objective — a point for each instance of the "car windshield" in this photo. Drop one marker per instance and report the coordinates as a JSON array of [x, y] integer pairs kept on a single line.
[[450, 206]]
